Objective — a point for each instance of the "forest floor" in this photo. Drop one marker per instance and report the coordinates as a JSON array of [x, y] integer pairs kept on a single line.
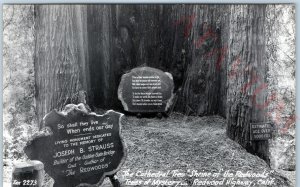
[[186, 144], [189, 150]]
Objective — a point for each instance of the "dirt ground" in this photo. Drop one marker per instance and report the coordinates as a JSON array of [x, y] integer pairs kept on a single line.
[[190, 151], [186, 144]]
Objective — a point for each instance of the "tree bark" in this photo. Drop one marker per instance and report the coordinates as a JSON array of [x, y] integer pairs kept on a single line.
[[246, 76], [60, 55], [202, 83]]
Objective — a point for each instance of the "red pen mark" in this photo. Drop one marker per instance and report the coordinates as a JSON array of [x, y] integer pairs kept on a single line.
[[221, 57], [233, 71], [291, 121], [253, 80], [188, 26], [209, 34]]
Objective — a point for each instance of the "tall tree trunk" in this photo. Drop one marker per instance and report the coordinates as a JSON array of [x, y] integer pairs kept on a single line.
[[60, 55], [246, 93], [202, 84]]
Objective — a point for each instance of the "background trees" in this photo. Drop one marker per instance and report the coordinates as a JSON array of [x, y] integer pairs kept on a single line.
[[19, 117]]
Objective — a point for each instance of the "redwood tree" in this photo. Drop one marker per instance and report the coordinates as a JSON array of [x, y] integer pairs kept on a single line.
[[246, 93], [60, 63]]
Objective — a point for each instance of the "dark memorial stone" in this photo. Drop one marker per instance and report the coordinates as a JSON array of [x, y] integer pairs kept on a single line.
[[146, 89], [261, 131], [79, 148]]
